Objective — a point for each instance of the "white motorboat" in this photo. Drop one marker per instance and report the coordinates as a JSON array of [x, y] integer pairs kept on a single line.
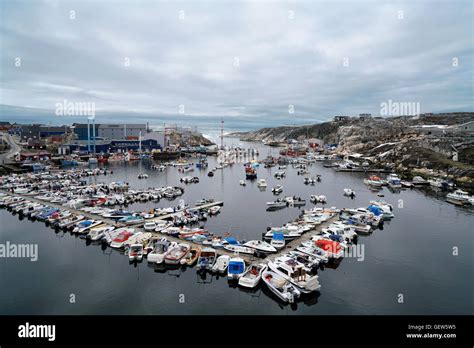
[[262, 183], [278, 203], [318, 199], [242, 183], [138, 238], [135, 253], [221, 264], [349, 192], [236, 268], [458, 197], [85, 225], [157, 255], [406, 184], [150, 226], [260, 246], [278, 241], [121, 238], [374, 181], [385, 208], [277, 189], [98, 232], [239, 249], [394, 181], [419, 181], [311, 250], [295, 201], [288, 233], [252, 275], [71, 221], [280, 286], [310, 262], [294, 272]]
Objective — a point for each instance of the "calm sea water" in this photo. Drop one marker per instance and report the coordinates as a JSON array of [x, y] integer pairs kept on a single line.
[[412, 255]]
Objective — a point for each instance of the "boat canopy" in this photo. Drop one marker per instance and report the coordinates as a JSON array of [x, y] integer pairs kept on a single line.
[[236, 267], [232, 241], [374, 209], [278, 236]]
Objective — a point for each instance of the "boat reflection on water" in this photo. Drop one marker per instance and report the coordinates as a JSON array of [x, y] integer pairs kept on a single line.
[[309, 299], [204, 277]]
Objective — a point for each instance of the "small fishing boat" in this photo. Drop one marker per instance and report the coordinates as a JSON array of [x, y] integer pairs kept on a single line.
[[277, 189], [252, 275], [207, 259], [374, 181], [236, 268], [176, 253], [277, 204], [349, 192], [318, 199], [221, 264], [191, 257], [294, 201], [135, 253], [281, 287], [261, 183], [260, 246], [157, 255], [98, 232], [394, 181], [242, 183]]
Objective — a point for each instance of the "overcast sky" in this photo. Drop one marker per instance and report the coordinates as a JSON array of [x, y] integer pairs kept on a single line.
[[249, 58]]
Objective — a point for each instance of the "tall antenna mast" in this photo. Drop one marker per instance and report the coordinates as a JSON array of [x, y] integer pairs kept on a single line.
[[222, 133]]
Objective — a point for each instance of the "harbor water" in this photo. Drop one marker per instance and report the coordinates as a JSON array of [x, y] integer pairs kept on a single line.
[[424, 254]]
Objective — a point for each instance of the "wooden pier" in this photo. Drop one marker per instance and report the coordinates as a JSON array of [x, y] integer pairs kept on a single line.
[[248, 258]]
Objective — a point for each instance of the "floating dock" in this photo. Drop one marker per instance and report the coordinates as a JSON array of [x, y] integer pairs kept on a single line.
[[248, 258]]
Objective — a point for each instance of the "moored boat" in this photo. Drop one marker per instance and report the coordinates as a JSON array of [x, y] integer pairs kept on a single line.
[[280, 286], [252, 275]]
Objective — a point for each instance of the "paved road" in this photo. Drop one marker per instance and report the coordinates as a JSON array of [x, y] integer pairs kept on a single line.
[[14, 148]]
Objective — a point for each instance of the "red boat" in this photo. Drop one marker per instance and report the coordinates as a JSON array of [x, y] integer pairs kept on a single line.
[[333, 248], [119, 241]]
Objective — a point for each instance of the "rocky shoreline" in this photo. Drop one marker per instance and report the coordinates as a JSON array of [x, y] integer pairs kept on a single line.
[[428, 145]]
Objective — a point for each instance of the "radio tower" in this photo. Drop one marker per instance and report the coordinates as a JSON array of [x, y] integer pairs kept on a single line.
[[222, 133]]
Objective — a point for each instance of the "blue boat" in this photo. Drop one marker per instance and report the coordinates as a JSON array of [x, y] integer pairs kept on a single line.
[[46, 214], [236, 268]]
